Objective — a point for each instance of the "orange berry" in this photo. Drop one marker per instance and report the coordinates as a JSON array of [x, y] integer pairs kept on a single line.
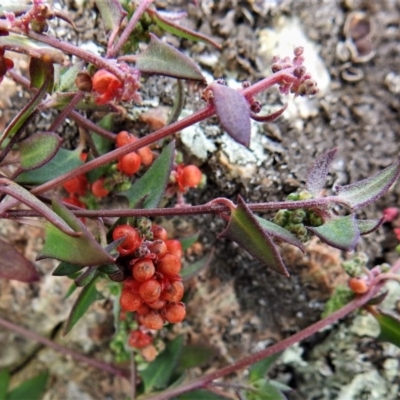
[[175, 313], [191, 176], [104, 81], [153, 320], [124, 138], [150, 291], [146, 155], [129, 164], [158, 247], [98, 188], [158, 304], [358, 285], [143, 269], [159, 232], [143, 310], [174, 293], [130, 301], [169, 265], [76, 185], [139, 339], [174, 247], [132, 239]]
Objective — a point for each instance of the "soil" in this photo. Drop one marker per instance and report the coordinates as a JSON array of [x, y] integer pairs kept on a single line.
[[237, 305]]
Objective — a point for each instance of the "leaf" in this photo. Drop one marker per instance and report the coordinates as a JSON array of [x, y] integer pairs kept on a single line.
[[244, 229], [390, 327], [4, 382], [179, 103], [280, 233], [83, 250], [260, 369], [111, 12], [316, 177], [68, 75], [13, 265], [366, 226], [32, 389], [40, 71], [188, 241], [149, 190], [162, 59], [200, 394], [341, 232], [86, 298], [195, 356], [159, 372], [66, 268], [64, 161], [180, 31], [193, 269], [267, 391], [38, 149], [233, 111], [362, 193]]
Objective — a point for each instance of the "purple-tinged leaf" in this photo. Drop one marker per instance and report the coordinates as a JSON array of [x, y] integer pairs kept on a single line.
[[362, 193], [316, 177], [66, 268], [24, 196], [280, 233], [378, 299], [83, 250], [111, 12], [162, 59], [13, 265], [366, 226], [390, 327], [244, 229], [233, 111], [270, 117], [38, 149], [340, 232], [86, 298], [180, 31]]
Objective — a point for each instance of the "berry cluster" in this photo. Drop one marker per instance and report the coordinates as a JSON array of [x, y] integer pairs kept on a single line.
[[154, 287]]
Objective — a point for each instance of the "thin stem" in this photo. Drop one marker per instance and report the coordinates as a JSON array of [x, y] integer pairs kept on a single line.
[[63, 350], [203, 381]]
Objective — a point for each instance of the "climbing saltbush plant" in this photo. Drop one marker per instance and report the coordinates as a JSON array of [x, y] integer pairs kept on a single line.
[[143, 265]]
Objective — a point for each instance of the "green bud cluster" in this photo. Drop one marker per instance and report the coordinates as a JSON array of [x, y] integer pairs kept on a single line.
[[355, 267], [144, 225]]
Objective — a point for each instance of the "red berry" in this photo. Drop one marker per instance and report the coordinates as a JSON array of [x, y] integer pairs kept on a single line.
[[74, 201], [153, 320], [139, 339], [104, 81], [191, 176], [143, 310], [132, 239], [158, 247], [76, 186], [129, 164], [130, 301], [174, 293], [174, 247], [158, 304], [98, 188], [124, 138], [358, 285], [146, 155], [150, 291], [159, 232], [143, 269], [175, 313], [169, 265]]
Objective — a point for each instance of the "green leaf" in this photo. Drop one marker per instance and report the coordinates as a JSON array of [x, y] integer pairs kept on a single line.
[[38, 149], [280, 233], [368, 190], [149, 190], [111, 12], [195, 356], [162, 59], [366, 226], [86, 298], [32, 389], [193, 269], [39, 72], [180, 31], [200, 394], [390, 327], [67, 77], [266, 391], [260, 369], [159, 372], [340, 232], [13, 265], [64, 161], [70, 290], [244, 229], [82, 250], [4, 382], [66, 268], [188, 241]]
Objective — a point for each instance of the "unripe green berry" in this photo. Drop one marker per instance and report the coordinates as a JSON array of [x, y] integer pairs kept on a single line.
[[314, 219], [305, 195], [297, 216], [281, 218], [293, 197]]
